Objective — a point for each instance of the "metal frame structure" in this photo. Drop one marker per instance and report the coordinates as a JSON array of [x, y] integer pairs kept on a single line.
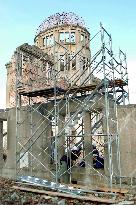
[[67, 18], [49, 114]]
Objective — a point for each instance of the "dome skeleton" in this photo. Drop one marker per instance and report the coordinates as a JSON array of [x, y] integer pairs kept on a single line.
[[69, 18]]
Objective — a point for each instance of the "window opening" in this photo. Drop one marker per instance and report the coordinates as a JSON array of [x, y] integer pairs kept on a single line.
[[68, 62], [73, 57], [67, 37], [62, 36], [82, 37], [67, 40], [47, 41], [84, 63], [44, 41], [61, 63], [74, 63], [73, 40], [51, 40]]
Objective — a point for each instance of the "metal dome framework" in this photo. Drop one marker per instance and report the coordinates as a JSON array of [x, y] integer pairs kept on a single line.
[[58, 19]]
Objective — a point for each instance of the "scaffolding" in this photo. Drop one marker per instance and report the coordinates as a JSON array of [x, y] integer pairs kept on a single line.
[[55, 114]]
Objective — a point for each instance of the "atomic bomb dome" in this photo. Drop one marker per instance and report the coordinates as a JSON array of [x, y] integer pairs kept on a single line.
[[63, 32], [59, 19], [67, 93]]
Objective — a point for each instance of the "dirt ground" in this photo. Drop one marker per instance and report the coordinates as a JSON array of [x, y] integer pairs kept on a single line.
[[12, 192]]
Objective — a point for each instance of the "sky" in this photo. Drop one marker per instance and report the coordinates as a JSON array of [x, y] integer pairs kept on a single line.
[[20, 19]]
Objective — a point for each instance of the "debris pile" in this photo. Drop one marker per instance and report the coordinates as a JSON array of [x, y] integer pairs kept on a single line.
[[24, 193]]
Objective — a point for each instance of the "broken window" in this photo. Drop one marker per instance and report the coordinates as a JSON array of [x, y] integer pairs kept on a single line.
[[67, 37], [72, 37], [68, 62], [44, 41], [82, 38], [62, 36], [88, 62], [74, 63], [61, 63], [86, 39], [84, 63], [67, 40], [47, 41], [73, 60], [51, 40]]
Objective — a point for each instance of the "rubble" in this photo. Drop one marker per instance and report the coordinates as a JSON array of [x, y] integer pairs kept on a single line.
[[16, 192]]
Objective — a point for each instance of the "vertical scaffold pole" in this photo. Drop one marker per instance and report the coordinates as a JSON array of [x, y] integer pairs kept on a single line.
[[106, 106], [18, 106], [55, 119], [116, 115]]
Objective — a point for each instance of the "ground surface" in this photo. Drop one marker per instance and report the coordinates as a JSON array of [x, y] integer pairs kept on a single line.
[[12, 192]]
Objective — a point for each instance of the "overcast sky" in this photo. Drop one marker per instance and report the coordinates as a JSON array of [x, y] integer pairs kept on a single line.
[[20, 19]]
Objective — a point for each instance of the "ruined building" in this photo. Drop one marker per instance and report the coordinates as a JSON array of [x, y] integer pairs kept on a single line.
[[65, 92]]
